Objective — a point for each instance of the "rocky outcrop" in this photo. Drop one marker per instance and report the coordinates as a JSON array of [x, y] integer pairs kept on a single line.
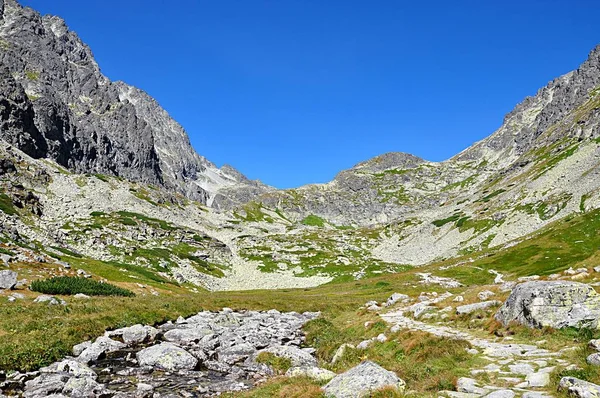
[[555, 304], [579, 388], [362, 381], [167, 356], [56, 103]]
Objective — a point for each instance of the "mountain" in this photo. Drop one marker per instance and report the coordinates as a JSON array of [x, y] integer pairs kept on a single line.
[[58, 105], [96, 170]]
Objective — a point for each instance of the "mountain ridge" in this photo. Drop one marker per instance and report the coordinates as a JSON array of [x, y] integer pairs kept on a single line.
[[89, 124]]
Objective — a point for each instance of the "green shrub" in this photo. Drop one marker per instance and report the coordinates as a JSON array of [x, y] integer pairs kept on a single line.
[[278, 364], [68, 285], [314, 221], [6, 204]]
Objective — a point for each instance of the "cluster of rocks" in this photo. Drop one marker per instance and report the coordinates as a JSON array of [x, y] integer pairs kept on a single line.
[[204, 355]]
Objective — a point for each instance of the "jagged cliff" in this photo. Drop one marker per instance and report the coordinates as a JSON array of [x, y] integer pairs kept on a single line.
[[57, 104]]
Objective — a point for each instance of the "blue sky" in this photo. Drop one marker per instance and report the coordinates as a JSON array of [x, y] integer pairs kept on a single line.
[[293, 91]]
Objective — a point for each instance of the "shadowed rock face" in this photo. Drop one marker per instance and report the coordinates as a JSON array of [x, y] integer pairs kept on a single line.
[[53, 91]]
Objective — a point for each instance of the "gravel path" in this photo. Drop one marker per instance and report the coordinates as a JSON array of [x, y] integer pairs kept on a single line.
[[521, 369]]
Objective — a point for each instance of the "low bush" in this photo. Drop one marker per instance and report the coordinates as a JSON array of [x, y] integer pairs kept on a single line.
[[68, 285]]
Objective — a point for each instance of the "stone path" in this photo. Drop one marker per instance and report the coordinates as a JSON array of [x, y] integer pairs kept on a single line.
[[520, 369]]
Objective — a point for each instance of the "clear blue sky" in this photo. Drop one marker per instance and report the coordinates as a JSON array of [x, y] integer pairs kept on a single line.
[[293, 91]]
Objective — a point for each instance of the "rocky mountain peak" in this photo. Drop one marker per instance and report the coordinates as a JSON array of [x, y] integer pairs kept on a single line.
[[390, 160], [71, 113]]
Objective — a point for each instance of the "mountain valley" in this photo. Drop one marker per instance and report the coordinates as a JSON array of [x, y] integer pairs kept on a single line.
[[99, 183]]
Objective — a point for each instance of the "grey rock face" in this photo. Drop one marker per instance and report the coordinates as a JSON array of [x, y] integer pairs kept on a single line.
[[56, 103], [8, 279], [135, 334], [556, 304], [362, 380], [579, 388], [167, 356]]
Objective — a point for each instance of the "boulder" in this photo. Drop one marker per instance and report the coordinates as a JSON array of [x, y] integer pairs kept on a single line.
[[555, 304], [8, 279], [297, 356], [188, 335], [469, 308], [45, 385], [362, 381], [98, 348], [312, 372], [79, 348], [396, 297], [594, 359], [80, 387], [237, 353], [167, 356], [71, 368], [579, 388], [135, 334]]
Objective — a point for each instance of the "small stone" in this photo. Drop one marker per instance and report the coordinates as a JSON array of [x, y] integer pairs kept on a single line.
[[312, 372], [469, 308], [363, 345], [470, 386], [396, 297], [486, 294], [381, 338], [594, 344], [501, 394], [340, 352], [538, 379], [594, 359]]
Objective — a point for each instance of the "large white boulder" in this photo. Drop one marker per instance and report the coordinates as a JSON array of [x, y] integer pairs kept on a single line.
[[555, 304]]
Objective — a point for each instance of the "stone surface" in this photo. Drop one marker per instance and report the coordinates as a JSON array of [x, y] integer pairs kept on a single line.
[[593, 359], [501, 394], [362, 380], [8, 279], [98, 348], [555, 304], [469, 308], [135, 334], [469, 386], [65, 109], [579, 388], [167, 356]]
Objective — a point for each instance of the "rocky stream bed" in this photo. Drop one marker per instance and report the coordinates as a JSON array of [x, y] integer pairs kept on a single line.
[[201, 356]]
